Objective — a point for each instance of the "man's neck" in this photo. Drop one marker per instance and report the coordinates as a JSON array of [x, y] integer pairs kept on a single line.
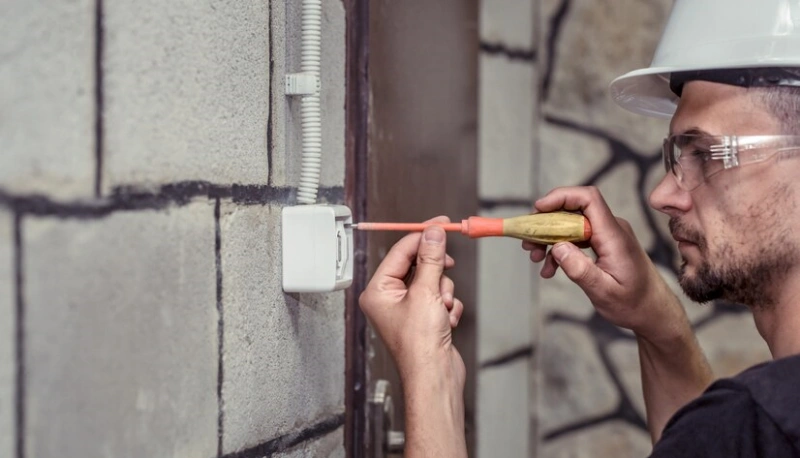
[[779, 325]]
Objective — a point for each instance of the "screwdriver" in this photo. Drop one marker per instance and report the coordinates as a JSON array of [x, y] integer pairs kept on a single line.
[[545, 228]]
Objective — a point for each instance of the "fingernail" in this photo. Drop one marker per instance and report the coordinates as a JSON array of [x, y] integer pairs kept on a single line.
[[434, 235], [447, 297], [560, 252]]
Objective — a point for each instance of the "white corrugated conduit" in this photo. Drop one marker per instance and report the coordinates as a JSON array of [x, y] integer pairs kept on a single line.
[[311, 110]]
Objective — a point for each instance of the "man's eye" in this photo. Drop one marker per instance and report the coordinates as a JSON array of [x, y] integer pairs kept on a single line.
[[699, 155]]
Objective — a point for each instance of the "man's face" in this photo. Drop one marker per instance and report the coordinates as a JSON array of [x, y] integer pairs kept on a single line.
[[734, 230]]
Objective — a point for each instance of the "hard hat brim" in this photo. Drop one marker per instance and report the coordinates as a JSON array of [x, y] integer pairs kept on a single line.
[[646, 91]]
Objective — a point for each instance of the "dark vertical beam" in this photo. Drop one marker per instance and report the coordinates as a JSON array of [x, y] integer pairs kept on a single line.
[[220, 325], [357, 112], [19, 338], [99, 141], [271, 85]]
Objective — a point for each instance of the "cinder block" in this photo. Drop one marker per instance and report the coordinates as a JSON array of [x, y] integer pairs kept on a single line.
[[283, 354], [121, 334], [505, 293], [503, 417], [286, 128], [186, 91], [506, 128], [329, 446], [508, 22], [7, 336], [47, 132]]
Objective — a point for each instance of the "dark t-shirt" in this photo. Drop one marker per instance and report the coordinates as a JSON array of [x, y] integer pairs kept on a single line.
[[755, 414]]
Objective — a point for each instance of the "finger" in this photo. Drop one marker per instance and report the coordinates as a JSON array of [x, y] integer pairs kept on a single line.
[[577, 266], [538, 253], [446, 289], [456, 312], [589, 201], [399, 259], [402, 255], [431, 258], [528, 246], [550, 266], [449, 262]]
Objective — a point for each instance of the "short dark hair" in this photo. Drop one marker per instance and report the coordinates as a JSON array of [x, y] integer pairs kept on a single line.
[[784, 103]]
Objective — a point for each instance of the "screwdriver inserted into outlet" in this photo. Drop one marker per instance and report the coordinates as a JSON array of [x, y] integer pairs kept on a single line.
[[545, 228]]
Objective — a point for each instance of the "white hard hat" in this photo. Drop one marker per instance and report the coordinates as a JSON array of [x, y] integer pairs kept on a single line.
[[761, 37]]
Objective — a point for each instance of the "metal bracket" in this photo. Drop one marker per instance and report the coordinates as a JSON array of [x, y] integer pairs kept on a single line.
[[382, 439], [302, 84]]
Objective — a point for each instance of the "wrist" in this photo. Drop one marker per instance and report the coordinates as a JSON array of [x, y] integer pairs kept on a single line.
[[434, 411], [435, 372], [665, 322]]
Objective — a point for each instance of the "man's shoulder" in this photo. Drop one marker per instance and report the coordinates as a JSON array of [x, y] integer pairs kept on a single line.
[[756, 413], [772, 385], [788, 367], [775, 388]]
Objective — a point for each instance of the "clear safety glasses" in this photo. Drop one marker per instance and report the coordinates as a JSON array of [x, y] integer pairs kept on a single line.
[[693, 158]]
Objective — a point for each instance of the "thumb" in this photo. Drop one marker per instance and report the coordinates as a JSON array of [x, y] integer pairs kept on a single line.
[[577, 266], [430, 258]]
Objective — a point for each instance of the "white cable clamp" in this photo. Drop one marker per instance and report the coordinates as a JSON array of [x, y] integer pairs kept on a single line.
[[302, 84]]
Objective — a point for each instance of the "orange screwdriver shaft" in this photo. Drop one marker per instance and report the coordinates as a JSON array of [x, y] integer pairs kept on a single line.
[[548, 228], [406, 227]]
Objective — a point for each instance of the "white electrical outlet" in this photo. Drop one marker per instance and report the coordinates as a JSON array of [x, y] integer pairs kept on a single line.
[[317, 248]]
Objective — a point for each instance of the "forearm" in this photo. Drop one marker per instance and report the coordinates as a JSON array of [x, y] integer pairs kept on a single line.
[[434, 407], [674, 371]]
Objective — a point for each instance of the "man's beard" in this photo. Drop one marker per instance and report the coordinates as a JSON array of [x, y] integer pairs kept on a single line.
[[748, 280]]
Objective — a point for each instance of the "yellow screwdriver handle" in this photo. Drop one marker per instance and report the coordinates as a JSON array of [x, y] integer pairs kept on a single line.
[[548, 228]]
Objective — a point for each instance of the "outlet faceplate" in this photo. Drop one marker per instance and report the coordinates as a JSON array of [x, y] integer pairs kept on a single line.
[[317, 248]]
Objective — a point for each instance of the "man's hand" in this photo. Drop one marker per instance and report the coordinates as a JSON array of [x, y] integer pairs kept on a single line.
[[622, 283], [626, 289], [416, 322]]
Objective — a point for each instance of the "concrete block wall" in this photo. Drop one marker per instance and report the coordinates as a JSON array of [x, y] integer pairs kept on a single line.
[[589, 400], [147, 152], [505, 308]]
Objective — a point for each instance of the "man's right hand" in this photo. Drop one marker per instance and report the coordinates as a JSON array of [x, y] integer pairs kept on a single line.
[[622, 283], [626, 289]]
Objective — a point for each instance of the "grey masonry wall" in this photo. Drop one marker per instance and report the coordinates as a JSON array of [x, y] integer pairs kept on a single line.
[[147, 149], [506, 284]]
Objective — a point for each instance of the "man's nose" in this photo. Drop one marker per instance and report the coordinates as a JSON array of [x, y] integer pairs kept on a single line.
[[668, 197]]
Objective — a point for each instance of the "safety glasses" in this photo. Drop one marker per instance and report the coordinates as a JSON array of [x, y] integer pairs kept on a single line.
[[693, 158]]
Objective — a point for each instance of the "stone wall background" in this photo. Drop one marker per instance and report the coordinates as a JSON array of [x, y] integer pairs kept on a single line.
[[144, 165], [506, 284], [546, 120]]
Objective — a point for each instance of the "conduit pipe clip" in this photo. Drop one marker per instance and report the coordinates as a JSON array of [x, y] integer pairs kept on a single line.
[[303, 83]]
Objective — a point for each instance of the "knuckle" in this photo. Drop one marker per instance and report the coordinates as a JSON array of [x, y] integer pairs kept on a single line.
[[365, 299], [624, 224], [430, 257]]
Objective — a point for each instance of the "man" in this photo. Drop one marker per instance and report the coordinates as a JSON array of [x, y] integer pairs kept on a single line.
[[731, 193]]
